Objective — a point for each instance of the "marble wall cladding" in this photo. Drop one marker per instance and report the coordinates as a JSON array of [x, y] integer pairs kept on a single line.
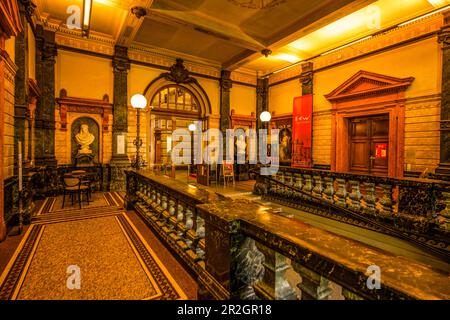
[[8, 147]]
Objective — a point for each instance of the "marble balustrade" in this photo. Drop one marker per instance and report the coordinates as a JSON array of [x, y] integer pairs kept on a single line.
[[238, 249]]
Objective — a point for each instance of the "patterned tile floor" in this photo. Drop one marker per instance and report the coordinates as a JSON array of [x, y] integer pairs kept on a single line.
[[115, 259]]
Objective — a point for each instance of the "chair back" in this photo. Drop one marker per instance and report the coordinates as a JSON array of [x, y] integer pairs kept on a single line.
[[71, 181]]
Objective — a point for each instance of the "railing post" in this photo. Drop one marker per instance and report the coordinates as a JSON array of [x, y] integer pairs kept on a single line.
[[329, 189], [318, 186], [355, 196], [386, 201], [274, 284], [341, 194], [444, 215], [370, 198], [313, 285]]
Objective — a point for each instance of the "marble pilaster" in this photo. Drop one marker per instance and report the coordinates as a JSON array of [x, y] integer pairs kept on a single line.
[[119, 160], [46, 52]]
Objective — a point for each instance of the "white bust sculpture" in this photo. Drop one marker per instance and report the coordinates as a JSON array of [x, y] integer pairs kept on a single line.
[[84, 139], [241, 145]]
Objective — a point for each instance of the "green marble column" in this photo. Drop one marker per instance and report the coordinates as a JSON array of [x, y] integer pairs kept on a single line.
[[262, 99], [21, 85], [225, 89], [46, 52], [119, 160], [444, 40]]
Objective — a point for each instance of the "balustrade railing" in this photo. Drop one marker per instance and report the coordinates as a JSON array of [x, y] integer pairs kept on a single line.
[[413, 209], [240, 249]]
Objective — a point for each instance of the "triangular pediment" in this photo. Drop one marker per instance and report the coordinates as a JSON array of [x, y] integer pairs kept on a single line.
[[366, 83]]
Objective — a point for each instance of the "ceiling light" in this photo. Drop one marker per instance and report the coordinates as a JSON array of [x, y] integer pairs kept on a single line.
[[437, 3], [288, 57], [87, 10]]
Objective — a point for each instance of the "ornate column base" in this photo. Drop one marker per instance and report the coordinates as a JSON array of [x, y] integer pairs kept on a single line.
[[118, 165]]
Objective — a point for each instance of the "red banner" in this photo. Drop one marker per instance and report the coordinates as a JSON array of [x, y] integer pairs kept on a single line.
[[302, 131]]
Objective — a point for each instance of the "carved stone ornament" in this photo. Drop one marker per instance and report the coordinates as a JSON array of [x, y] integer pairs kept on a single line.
[[444, 36], [178, 73], [139, 12], [121, 62], [225, 81], [30, 7]]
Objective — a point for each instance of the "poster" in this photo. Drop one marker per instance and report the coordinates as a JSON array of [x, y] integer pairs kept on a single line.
[[302, 131], [381, 150]]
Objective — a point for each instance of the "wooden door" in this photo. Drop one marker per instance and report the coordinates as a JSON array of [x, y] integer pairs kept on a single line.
[[369, 145]]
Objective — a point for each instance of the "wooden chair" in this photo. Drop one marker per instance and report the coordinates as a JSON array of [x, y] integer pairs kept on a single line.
[[72, 186], [227, 172]]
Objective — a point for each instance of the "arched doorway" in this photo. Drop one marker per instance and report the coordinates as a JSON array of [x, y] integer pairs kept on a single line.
[[172, 106]]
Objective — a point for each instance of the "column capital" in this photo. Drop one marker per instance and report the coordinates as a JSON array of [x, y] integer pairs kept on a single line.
[[225, 80], [306, 77], [121, 61]]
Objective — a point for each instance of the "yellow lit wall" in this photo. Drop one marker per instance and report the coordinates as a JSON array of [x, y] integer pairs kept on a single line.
[[421, 60], [243, 99], [83, 76], [281, 97]]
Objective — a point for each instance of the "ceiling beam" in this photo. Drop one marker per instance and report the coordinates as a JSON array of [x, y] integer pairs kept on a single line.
[[325, 14], [207, 25], [131, 24]]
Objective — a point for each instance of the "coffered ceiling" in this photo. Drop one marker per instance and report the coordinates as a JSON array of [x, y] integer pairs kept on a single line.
[[232, 33]]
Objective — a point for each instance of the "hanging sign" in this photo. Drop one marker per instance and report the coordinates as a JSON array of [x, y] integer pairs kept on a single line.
[[302, 131]]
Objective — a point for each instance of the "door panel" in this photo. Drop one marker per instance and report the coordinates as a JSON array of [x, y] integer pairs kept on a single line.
[[369, 145]]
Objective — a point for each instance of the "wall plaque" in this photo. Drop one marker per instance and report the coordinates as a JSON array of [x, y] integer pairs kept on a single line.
[[121, 144]]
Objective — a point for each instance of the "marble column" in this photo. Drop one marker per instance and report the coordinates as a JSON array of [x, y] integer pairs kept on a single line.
[[225, 89], [21, 85], [119, 160], [46, 52], [262, 99], [444, 40]]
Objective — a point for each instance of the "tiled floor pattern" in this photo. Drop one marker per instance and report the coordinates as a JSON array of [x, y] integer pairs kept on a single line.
[[114, 260]]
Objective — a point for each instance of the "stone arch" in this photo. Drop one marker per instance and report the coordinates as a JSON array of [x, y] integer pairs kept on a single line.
[[193, 87]]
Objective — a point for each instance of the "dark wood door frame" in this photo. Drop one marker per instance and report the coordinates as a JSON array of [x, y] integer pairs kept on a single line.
[[369, 94]]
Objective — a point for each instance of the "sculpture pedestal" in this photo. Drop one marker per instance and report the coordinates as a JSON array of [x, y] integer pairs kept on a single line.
[[84, 159]]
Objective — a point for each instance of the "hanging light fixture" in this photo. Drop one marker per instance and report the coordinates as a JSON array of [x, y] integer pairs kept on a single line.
[[87, 11], [257, 4]]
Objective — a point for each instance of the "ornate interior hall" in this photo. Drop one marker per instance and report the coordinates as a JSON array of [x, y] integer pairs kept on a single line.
[[224, 150]]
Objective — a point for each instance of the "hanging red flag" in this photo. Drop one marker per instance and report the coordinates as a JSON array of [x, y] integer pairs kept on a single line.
[[302, 131]]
